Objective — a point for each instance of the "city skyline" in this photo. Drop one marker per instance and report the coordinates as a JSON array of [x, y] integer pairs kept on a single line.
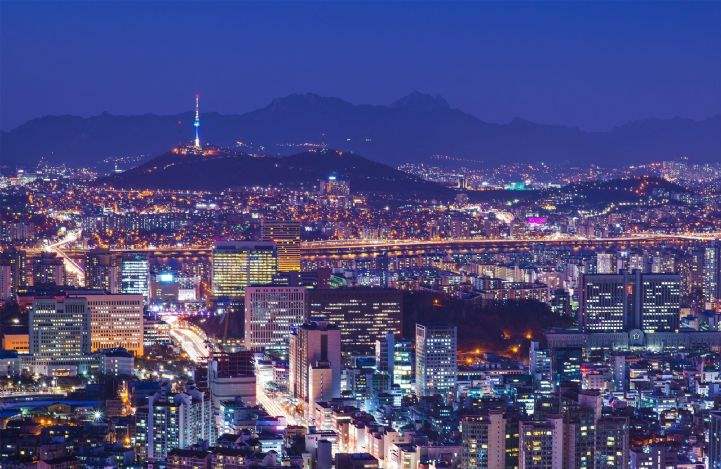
[[320, 283]]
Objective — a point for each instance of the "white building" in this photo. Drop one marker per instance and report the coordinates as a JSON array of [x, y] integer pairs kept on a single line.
[[271, 312], [436, 365]]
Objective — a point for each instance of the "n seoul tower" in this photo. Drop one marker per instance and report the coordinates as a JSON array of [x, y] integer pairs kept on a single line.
[[196, 124]]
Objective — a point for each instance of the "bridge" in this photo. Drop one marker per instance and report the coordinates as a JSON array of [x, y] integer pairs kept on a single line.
[[339, 250]]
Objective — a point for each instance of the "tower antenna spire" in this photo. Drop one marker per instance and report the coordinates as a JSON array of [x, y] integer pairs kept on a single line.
[[196, 124]]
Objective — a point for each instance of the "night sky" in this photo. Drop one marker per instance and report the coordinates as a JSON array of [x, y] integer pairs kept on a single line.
[[588, 65]]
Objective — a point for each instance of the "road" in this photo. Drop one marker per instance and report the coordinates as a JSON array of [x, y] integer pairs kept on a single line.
[[273, 405], [190, 340], [70, 264]]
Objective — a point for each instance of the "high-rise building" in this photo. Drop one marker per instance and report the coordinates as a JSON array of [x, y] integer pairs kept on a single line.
[[712, 274], [100, 271], [237, 265], [403, 366], [15, 261], [611, 449], [363, 315], [579, 436], [48, 268], [436, 365], [625, 301], [714, 440], [483, 440], [541, 444], [6, 282], [59, 329], [539, 367], [315, 367], [605, 263], [271, 312], [135, 275], [175, 420], [286, 236], [115, 320]]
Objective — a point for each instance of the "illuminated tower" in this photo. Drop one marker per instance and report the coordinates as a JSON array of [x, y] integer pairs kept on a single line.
[[196, 123]]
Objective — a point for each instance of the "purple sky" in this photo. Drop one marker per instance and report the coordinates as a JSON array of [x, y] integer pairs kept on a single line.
[[593, 65]]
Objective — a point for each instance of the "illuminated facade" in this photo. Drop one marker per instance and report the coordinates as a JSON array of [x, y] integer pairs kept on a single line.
[[712, 274], [271, 312], [625, 301], [286, 236], [237, 265], [99, 270], [59, 329], [436, 365], [363, 315], [483, 439], [135, 275], [541, 444], [115, 321]]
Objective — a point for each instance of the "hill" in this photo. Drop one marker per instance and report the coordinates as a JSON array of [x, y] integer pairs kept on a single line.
[[171, 171], [412, 128]]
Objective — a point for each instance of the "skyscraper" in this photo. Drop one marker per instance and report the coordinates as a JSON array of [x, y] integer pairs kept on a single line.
[[625, 301], [135, 275], [611, 449], [286, 236], [15, 260], [237, 265], [541, 444], [100, 271], [483, 439], [712, 274], [271, 312], [436, 365], [175, 420], [314, 361], [714, 441], [363, 315]]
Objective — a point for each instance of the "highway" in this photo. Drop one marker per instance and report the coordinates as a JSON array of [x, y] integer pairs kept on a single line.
[[70, 264], [190, 340]]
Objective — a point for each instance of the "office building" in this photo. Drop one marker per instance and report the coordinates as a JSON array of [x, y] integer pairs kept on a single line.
[[605, 263], [286, 236], [115, 320], [403, 366], [712, 274], [135, 275], [59, 330], [100, 271], [539, 367], [48, 268], [315, 367], [175, 420], [611, 449], [436, 365], [363, 315], [626, 301], [541, 444], [271, 312], [15, 261], [714, 440], [6, 282], [237, 265], [483, 440]]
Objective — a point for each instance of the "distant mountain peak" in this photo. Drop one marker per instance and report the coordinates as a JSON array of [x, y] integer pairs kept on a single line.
[[418, 101], [304, 101]]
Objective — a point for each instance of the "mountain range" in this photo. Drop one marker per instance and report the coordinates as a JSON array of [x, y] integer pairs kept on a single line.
[[413, 128]]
